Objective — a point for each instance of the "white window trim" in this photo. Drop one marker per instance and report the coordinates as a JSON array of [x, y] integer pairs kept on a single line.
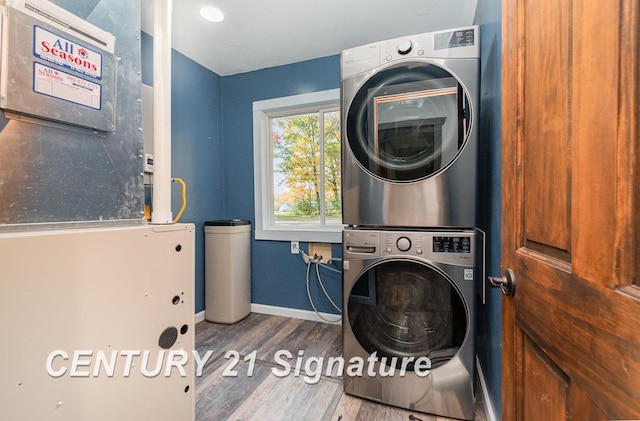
[[263, 170]]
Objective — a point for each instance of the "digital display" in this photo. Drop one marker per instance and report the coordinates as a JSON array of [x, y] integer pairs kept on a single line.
[[460, 244], [462, 38]]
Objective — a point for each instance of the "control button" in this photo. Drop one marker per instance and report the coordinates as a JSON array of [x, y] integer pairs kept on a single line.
[[421, 52], [419, 252], [389, 57], [388, 250], [403, 244], [405, 46]]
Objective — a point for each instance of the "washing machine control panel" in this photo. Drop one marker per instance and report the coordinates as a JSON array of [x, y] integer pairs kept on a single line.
[[452, 244], [452, 247]]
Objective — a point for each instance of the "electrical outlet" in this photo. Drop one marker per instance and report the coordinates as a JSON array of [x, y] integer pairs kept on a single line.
[[148, 163], [320, 249], [295, 247]]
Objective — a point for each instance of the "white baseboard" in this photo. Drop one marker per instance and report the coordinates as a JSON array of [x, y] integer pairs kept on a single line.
[[199, 317], [284, 312], [488, 406], [295, 313]]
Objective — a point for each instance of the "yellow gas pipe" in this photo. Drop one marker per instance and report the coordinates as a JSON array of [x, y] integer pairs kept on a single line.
[[184, 197]]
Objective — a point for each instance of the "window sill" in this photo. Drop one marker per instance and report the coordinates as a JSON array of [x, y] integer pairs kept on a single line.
[[324, 235]]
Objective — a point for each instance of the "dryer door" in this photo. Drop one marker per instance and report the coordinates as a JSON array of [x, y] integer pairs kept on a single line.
[[401, 308], [408, 122]]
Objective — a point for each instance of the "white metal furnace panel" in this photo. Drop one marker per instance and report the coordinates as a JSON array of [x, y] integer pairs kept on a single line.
[[110, 292]]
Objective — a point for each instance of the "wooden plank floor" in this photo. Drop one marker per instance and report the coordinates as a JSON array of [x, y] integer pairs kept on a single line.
[[256, 393]]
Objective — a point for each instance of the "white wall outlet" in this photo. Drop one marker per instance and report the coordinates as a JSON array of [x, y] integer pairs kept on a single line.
[[148, 163], [295, 247]]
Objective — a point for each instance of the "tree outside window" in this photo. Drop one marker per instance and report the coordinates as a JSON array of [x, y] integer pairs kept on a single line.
[[306, 167]]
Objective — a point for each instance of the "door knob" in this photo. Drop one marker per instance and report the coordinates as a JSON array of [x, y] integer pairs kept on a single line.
[[506, 283]]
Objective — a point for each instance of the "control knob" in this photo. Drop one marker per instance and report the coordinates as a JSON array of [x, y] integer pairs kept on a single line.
[[404, 47], [403, 244]]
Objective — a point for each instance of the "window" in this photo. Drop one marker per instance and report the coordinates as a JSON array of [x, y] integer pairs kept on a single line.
[[297, 167]]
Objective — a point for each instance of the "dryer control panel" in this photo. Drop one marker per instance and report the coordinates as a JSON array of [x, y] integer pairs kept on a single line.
[[461, 42]]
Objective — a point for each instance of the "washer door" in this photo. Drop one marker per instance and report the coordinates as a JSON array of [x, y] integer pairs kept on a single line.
[[408, 122], [402, 309]]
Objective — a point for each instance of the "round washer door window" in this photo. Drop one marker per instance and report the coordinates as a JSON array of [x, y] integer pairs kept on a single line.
[[406, 309], [408, 122]]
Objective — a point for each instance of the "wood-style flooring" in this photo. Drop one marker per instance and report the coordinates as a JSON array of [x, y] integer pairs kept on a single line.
[[249, 350]]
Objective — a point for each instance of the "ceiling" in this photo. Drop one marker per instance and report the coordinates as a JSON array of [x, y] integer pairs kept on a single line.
[[257, 34]]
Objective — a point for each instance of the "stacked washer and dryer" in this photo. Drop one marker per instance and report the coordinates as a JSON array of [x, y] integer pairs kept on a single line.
[[412, 255]]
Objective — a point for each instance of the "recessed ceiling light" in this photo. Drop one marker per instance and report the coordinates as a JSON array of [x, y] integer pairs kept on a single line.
[[212, 14]]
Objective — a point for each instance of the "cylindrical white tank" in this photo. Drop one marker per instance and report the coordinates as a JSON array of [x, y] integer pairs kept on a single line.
[[227, 270]]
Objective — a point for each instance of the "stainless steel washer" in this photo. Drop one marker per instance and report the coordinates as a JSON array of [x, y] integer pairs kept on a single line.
[[410, 295], [410, 130]]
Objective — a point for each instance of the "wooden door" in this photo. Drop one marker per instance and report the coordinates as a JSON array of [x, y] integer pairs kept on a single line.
[[571, 332]]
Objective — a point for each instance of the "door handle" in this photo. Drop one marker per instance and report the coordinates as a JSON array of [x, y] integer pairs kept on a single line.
[[506, 283]]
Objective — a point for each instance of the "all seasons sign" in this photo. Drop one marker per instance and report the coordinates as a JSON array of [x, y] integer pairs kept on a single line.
[[55, 49]]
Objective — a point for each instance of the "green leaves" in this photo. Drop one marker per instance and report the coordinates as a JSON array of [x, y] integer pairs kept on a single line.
[[297, 151]]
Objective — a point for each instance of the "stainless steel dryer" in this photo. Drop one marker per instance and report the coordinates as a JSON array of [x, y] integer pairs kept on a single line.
[[410, 130], [410, 295]]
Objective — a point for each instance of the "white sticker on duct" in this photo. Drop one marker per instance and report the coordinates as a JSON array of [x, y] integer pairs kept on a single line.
[[52, 82]]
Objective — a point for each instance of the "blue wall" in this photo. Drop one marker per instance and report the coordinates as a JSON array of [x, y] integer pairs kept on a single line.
[[488, 16], [219, 174], [196, 150], [279, 276]]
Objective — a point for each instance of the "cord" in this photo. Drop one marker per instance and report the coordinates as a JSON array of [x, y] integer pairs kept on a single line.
[[329, 268], [309, 262], [311, 300], [324, 290]]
